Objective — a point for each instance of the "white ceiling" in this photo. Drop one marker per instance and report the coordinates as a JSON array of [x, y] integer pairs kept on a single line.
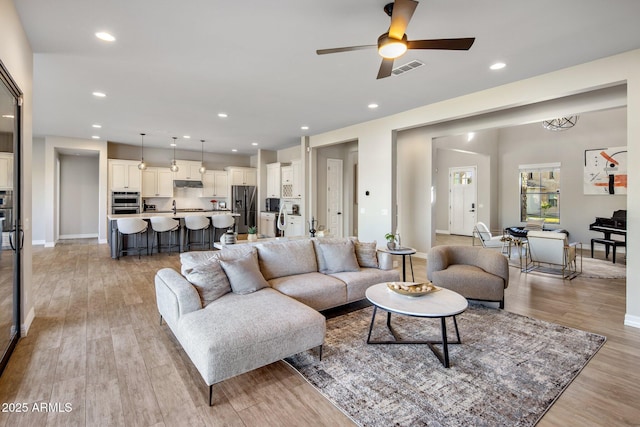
[[176, 65]]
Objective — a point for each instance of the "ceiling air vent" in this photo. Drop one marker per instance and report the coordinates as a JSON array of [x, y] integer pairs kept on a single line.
[[407, 67]]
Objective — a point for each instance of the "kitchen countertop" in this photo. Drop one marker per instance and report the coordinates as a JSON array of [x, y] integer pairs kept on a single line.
[[170, 214]]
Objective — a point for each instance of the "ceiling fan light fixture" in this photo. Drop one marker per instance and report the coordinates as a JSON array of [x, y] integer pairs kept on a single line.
[[391, 48]]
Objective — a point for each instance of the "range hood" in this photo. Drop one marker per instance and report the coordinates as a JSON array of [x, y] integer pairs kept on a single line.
[[183, 183]]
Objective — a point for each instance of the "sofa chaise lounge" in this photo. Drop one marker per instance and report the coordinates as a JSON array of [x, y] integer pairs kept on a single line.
[[250, 305]]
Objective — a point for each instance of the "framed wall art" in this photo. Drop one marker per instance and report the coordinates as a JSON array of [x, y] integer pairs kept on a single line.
[[605, 171]]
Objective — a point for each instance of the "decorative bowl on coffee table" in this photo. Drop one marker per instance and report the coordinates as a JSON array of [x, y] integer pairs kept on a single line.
[[412, 289]]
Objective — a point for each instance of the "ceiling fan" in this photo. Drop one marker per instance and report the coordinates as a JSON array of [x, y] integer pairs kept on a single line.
[[394, 43]]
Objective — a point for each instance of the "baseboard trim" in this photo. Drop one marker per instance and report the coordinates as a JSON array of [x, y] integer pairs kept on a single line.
[[49, 244], [78, 236], [103, 241], [442, 232], [24, 328], [633, 321], [38, 242]]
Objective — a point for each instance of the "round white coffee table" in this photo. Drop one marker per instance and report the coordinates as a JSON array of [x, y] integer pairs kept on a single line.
[[440, 304]]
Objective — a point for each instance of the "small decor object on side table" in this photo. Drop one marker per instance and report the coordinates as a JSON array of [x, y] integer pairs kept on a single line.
[[391, 240], [252, 235], [312, 227]]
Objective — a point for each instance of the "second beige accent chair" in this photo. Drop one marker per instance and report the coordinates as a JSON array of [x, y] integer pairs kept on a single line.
[[475, 273]]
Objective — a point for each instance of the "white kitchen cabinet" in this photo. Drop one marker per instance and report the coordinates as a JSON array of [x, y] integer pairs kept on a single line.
[[157, 182], [287, 182], [215, 184], [267, 224], [188, 170], [6, 171], [242, 176], [296, 179], [295, 226], [124, 175], [273, 180]]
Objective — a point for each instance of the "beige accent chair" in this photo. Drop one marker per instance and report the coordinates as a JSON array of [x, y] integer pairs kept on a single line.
[[475, 273], [551, 252]]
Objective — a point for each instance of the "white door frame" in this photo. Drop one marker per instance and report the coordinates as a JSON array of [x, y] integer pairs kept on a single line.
[[335, 209]]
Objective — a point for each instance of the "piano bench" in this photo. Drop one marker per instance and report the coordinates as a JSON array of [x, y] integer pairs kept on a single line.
[[608, 244]]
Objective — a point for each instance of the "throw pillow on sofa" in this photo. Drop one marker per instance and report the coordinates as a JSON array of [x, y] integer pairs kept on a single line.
[[286, 259], [244, 273], [209, 280], [366, 254], [338, 257]]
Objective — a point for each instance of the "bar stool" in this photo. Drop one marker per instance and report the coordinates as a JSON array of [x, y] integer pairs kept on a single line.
[[224, 222], [160, 225], [196, 223], [131, 226]]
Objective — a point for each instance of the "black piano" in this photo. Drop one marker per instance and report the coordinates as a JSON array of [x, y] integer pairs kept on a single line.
[[617, 224]]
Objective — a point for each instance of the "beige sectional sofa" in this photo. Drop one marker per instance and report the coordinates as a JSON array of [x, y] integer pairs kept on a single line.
[[249, 305]]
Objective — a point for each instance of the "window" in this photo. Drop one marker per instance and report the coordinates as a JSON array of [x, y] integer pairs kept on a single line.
[[540, 192]]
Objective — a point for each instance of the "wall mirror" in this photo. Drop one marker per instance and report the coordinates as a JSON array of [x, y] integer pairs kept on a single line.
[[11, 235]]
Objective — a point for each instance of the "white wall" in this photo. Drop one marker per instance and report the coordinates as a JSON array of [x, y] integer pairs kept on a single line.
[[532, 144], [16, 54], [38, 192], [79, 185], [161, 157], [498, 107]]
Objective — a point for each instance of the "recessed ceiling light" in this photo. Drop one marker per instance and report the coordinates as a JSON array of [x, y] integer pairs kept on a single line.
[[498, 66], [223, 115], [95, 137], [173, 144], [105, 36], [97, 126], [372, 106], [187, 137], [304, 127], [99, 94], [8, 116], [234, 150], [254, 143]]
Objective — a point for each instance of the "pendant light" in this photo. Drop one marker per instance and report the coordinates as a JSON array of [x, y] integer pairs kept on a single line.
[[174, 167], [142, 165], [202, 168]]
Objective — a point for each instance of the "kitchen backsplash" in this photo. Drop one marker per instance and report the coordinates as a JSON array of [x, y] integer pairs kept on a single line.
[[186, 198]]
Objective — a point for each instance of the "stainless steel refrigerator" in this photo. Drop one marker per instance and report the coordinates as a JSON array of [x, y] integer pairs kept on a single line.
[[243, 202]]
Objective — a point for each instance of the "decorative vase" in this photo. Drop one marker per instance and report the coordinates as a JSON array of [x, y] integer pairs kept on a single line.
[[391, 245], [229, 238], [252, 237]]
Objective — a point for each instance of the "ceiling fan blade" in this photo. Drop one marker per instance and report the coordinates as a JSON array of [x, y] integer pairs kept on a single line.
[[344, 49], [385, 68], [446, 44], [402, 13]]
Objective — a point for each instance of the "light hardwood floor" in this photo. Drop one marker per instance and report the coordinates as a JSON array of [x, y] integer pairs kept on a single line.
[[97, 343]]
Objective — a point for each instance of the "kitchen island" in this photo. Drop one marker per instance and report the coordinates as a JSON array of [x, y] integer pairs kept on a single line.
[[179, 214]]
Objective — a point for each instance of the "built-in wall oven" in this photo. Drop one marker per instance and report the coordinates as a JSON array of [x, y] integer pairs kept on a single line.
[[125, 202], [6, 210]]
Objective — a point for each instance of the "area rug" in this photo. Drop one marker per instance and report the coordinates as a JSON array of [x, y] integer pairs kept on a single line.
[[508, 370], [592, 267]]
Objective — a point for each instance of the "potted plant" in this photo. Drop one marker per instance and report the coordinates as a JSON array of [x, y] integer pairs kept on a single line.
[[391, 240], [252, 233]]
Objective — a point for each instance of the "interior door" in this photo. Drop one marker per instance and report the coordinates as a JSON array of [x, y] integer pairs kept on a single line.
[[12, 236], [462, 200], [334, 197]]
